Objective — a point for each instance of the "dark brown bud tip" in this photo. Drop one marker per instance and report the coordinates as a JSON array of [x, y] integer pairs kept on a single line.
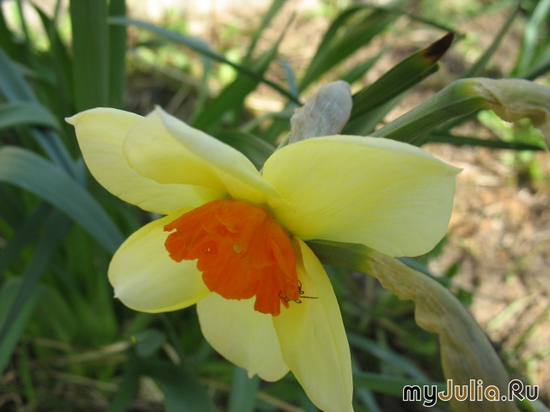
[[436, 50]]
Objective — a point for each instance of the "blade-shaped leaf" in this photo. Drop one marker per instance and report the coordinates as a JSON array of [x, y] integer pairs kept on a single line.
[[90, 53], [32, 172], [182, 390], [232, 97], [479, 65], [243, 391], [9, 291], [57, 227], [340, 42], [26, 113], [472, 141], [401, 77], [256, 149], [117, 56], [25, 234], [201, 47]]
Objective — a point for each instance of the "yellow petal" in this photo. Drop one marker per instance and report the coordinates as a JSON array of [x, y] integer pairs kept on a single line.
[[313, 340], [243, 336], [100, 133], [146, 279], [387, 195], [167, 150]]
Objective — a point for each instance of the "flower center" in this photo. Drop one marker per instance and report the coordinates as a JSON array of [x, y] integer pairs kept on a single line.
[[241, 251]]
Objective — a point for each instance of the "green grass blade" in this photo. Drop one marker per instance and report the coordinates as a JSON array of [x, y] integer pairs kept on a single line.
[[540, 68], [8, 293], [450, 102], [243, 391], [290, 76], [201, 47], [337, 44], [231, 98], [386, 355], [128, 387], [25, 234], [117, 56], [11, 211], [390, 385], [57, 228], [471, 141], [414, 17], [480, 64], [533, 32], [15, 89], [274, 8], [359, 71], [365, 124], [182, 390], [401, 77], [32, 172], [61, 67], [256, 149], [7, 41], [90, 53], [26, 113], [13, 86]]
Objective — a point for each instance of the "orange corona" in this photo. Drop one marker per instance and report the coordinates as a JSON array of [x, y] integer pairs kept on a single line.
[[241, 251]]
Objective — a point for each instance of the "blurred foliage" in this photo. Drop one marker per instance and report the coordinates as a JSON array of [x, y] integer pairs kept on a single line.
[[65, 343]]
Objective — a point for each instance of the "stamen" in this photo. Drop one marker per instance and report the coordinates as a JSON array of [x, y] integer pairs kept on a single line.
[[241, 251], [301, 293]]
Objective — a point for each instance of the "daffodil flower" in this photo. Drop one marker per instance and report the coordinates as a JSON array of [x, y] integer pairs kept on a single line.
[[232, 238]]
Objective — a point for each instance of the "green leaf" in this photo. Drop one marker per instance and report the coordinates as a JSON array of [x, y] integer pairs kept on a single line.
[[7, 42], [452, 101], [386, 355], [128, 387], [148, 341], [364, 125], [274, 9], [60, 90], [534, 31], [25, 234], [243, 391], [390, 385], [359, 71], [32, 172], [540, 68], [117, 56], [12, 84], [340, 42], [57, 228], [8, 293], [231, 98], [14, 88], [26, 113], [401, 77], [480, 64], [472, 141], [182, 390], [201, 47], [11, 211], [90, 53], [256, 149]]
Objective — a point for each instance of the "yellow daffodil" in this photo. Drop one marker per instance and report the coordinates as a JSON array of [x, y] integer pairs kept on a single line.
[[231, 240]]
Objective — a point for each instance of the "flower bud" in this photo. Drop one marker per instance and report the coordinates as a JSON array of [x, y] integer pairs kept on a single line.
[[324, 114]]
